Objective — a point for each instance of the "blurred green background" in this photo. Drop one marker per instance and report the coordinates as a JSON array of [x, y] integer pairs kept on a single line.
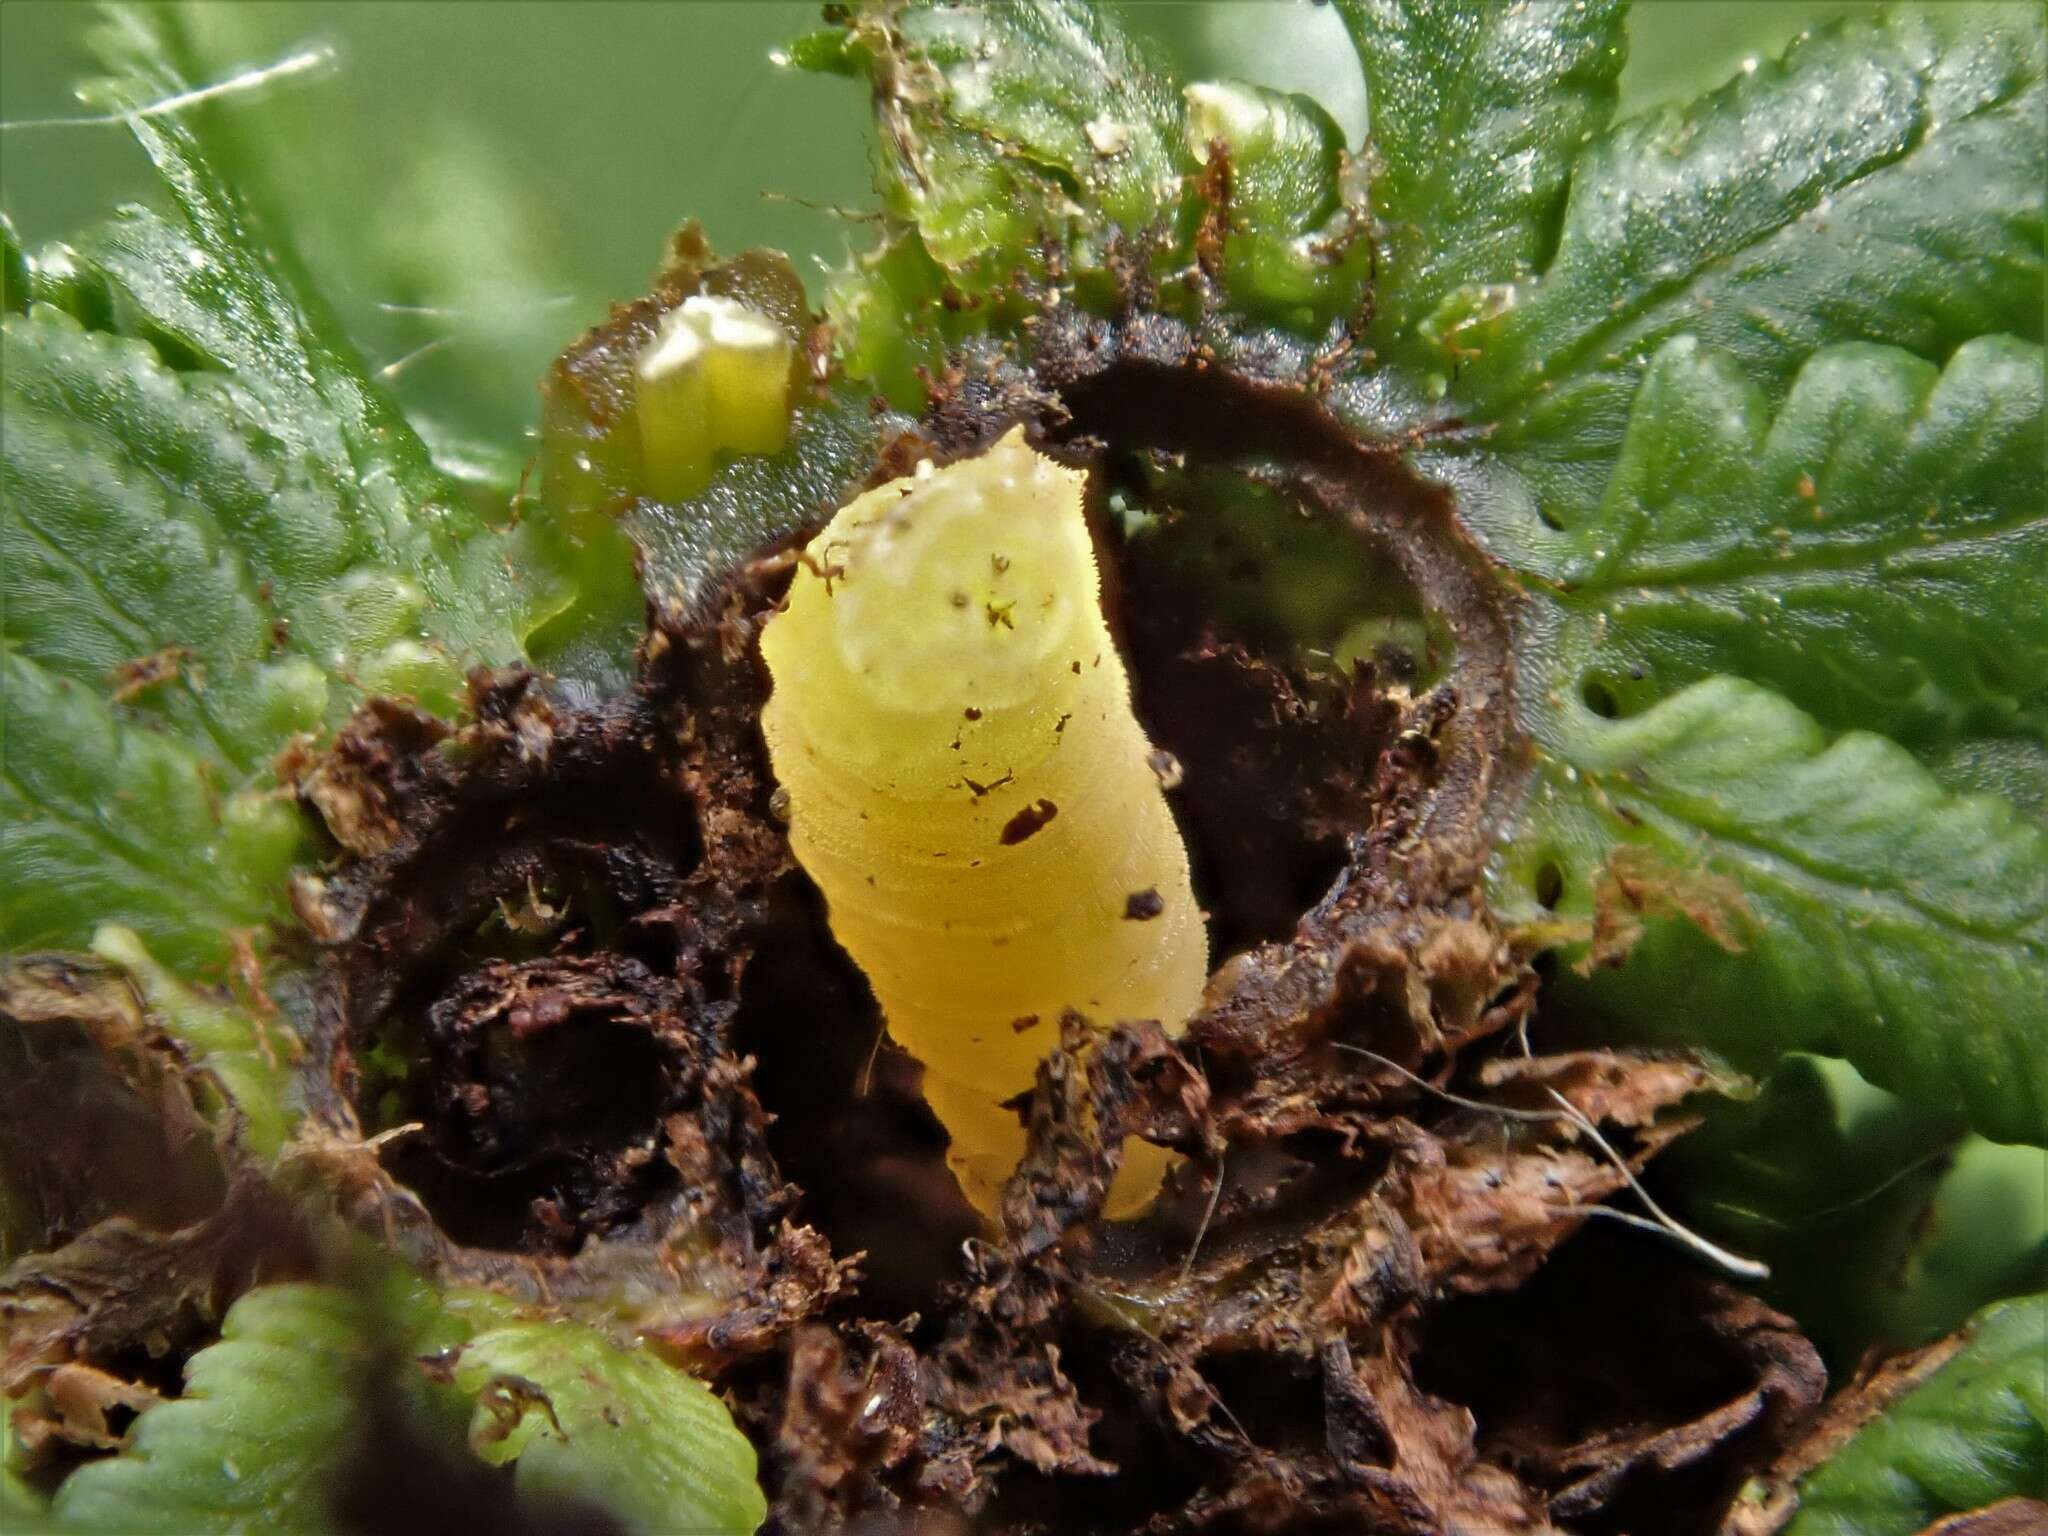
[[471, 183]]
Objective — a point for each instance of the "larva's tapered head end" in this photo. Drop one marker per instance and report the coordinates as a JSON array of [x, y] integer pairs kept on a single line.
[[970, 587]]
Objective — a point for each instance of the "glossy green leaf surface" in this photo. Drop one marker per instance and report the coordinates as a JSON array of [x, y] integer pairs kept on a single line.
[[1974, 1433], [1874, 549], [272, 1416], [1478, 112], [1770, 538], [619, 1428], [1883, 182], [1038, 143], [267, 1420], [1006, 122], [218, 535], [1878, 916]]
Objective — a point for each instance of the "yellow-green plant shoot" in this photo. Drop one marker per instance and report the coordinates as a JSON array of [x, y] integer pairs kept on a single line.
[[714, 379], [970, 789]]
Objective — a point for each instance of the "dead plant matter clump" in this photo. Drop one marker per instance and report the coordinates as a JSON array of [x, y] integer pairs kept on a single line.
[[140, 1209], [550, 943]]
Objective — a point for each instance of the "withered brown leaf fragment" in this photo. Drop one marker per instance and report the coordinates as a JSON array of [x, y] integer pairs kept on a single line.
[[144, 1214], [121, 1285], [2008, 1517], [1636, 884], [78, 1398], [853, 1407], [136, 676], [1413, 1454], [361, 783]]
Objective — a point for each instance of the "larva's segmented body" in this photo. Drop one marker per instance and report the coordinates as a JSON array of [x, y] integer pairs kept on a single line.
[[970, 789]]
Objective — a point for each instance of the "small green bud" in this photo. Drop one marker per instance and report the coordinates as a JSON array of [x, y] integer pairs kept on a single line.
[[715, 378], [748, 364], [674, 405], [1294, 248]]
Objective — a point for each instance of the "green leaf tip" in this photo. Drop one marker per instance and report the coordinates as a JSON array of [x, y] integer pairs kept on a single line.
[[1885, 180], [1285, 201], [613, 1427], [1478, 115], [1973, 1433], [713, 379], [274, 1421]]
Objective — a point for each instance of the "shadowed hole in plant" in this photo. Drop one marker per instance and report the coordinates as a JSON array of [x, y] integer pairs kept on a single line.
[[1620, 692], [1267, 552], [851, 1129], [504, 1001], [541, 1089], [1611, 1335], [1262, 640]]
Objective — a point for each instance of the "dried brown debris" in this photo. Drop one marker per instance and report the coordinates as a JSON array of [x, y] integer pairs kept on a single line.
[[1636, 884], [550, 939], [2008, 1517], [138, 1211], [1773, 1498], [137, 676]]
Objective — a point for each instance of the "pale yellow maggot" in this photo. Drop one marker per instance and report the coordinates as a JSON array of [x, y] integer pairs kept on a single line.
[[970, 789]]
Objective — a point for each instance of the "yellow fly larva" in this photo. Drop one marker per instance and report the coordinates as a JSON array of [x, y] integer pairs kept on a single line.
[[969, 787]]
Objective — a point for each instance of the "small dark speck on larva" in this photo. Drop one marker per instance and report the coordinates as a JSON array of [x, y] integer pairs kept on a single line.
[[1143, 906], [1027, 822]]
